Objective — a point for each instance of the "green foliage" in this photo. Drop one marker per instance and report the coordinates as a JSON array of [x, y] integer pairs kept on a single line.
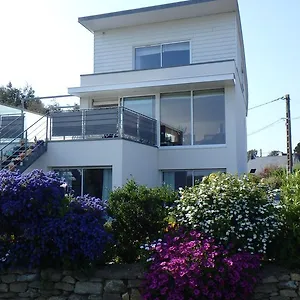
[[232, 210], [274, 153], [252, 154], [287, 247], [297, 149], [14, 97], [138, 214], [273, 176]]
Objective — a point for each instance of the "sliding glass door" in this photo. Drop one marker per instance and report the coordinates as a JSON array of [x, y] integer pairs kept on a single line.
[[96, 182]]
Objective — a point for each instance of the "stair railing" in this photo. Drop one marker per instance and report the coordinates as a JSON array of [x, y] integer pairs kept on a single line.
[[10, 129], [30, 140]]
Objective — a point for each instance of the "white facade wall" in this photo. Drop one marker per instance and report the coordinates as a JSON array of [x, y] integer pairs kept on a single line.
[[241, 128], [99, 153], [140, 162], [212, 38], [127, 159]]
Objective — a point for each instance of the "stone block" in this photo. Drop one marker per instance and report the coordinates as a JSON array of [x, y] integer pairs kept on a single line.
[[80, 276], [69, 279], [295, 276], [3, 288], [133, 271], [8, 278], [77, 297], [88, 288], [31, 293], [115, 287], [50, 293], [288, 293], [8, 295], [284, 277], [67, 273], [288, 285], [35, 284], [64, 286], [135, 295], [270, 279], [126, 297], [18, 287], [27, 277], [266, 288], [58, 298], [108, 296], [95, 297], [135, 283], [51, 275]]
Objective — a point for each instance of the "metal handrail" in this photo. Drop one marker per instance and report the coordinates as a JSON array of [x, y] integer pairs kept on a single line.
[[1, 150], [118, 118], [103, 108], [21, 116]]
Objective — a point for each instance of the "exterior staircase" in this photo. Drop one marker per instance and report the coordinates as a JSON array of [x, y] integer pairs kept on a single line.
[[21, 151]]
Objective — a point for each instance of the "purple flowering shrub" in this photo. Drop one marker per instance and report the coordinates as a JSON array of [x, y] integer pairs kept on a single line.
[[40, 226], [187, 265]]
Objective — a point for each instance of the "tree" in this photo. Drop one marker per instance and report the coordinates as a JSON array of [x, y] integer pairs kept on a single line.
[[275, 153], [252, 154], [14, 97], [297, 149]]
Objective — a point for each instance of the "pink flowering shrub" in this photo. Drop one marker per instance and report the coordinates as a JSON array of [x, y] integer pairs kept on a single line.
[[186, 265]]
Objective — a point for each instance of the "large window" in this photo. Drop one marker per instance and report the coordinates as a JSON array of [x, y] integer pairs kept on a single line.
[[162, 56], [192, 118], [175, 114], [209, 118], [186, 178], [143, 105], [95, 182]]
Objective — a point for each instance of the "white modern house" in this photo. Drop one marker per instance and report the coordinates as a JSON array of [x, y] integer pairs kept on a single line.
[[167, 101]]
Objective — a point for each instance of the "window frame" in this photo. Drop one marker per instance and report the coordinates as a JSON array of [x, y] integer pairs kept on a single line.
[[215, 170], [161, 54], [82, 169], [123, 98], [193, 145]]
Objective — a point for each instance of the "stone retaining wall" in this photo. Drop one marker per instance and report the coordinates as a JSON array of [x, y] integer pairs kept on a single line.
[[122, 282], [116, 282], [278, 283]]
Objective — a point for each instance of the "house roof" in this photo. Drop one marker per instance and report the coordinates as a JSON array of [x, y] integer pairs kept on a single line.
[[157, 13], [8, 109]]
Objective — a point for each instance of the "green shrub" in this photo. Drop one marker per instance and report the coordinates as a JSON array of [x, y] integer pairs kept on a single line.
[[273, 176], [232, 210], [286, 247], [138, 215]]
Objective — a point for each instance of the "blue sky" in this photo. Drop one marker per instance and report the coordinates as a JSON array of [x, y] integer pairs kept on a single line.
[[42, 44]]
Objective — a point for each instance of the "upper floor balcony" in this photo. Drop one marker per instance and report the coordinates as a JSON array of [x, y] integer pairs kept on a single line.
[[200, 75], [104, 123]]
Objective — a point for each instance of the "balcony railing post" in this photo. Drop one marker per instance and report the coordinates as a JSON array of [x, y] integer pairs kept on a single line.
[[138, 127], [121, 122], [26, 142], [47, 120], [83, 123]]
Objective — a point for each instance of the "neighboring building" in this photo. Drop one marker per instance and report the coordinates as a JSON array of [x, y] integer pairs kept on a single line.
[[258, 164], [167, 101], [13, 122]]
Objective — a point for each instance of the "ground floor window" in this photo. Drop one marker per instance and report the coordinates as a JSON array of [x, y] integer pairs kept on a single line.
[[96, 182], [186, 178]]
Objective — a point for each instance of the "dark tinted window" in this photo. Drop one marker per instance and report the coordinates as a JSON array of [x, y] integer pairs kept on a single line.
[[177, 54], [147, 58]]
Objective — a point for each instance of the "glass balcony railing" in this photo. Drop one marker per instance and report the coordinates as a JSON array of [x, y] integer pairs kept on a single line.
[[103, 123]]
